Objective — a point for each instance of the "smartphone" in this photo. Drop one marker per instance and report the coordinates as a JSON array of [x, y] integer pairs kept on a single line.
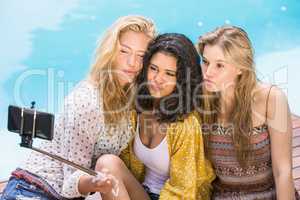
[[44, 122]]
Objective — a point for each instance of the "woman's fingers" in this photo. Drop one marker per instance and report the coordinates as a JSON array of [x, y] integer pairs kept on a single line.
[[106, 182], [104, 186]]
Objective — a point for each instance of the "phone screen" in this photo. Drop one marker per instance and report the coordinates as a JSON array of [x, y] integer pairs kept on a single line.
[[43, 125]]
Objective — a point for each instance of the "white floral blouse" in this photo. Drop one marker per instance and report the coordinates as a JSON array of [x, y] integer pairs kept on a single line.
[[81, 136]]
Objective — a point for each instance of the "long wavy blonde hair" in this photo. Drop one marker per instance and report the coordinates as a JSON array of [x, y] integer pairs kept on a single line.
[[116, 99], [236, 46]]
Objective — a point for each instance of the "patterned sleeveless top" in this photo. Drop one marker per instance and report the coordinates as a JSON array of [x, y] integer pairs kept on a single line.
[[234, 182]]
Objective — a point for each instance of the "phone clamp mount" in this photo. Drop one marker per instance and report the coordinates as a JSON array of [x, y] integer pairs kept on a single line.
[[27, 141]]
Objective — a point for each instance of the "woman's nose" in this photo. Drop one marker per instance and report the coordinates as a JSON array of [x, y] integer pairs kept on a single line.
[[159, 78], [132, 60], [209, 71]]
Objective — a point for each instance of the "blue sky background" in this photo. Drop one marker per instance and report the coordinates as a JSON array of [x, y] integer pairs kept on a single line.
[[46, 46]]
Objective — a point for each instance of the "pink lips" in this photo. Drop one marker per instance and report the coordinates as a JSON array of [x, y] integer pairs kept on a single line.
[[208, 81], [155, 87], [130, 72]]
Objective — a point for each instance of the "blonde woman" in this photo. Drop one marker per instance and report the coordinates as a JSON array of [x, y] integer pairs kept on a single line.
[[94, 121], [249, 127]]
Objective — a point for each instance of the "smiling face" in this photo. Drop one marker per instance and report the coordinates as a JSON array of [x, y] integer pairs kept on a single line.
[[131, 49], [218, 70], [161, 75]]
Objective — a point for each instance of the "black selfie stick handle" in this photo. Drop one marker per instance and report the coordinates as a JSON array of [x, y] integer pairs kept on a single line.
[[89, 171]]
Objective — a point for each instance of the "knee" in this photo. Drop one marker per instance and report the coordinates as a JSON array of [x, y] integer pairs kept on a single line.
[[109, 162]]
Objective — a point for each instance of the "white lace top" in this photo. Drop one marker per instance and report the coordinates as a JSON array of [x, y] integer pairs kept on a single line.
[[81, 136]]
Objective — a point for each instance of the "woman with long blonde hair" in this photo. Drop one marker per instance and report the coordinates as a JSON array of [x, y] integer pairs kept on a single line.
[[247, 123], [94, 121]]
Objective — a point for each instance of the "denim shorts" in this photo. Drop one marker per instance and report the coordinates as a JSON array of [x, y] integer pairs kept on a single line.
[[152, 196], [19, 189], [23, 185]]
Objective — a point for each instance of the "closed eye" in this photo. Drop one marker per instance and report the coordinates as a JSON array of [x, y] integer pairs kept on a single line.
[[124, 51], [171, 73], [141, 55], [153, 68]]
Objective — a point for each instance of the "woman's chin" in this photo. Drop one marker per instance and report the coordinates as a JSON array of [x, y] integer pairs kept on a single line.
[[155, 94], [126, 80]]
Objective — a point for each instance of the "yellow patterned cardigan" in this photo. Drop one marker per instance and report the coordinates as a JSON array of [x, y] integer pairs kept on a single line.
[[190, 173]]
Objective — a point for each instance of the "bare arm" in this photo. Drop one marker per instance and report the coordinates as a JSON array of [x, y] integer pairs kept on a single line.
[[280, 128]]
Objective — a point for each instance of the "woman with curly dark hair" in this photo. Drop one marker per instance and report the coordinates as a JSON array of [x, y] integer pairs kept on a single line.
[[166, 154]]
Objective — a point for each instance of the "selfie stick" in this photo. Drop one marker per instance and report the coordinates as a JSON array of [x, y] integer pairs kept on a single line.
[[27, 143]]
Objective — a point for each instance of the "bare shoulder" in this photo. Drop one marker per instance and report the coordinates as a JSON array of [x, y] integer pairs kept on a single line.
[[269, 101], [265, 92]]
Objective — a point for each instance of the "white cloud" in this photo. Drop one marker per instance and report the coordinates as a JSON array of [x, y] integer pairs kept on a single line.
[[283, 68], [18, 21]]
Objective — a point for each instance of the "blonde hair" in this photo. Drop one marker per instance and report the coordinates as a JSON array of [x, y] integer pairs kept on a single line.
[[236, 46], [114, 97]]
